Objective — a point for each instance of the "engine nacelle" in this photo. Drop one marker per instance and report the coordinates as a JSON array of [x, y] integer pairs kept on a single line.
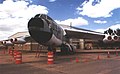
[[3, 42], [18, 40], [7, 43], [108, 38], [115, 38]]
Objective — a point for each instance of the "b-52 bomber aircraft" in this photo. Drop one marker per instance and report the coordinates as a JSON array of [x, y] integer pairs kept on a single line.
[[46, 31]]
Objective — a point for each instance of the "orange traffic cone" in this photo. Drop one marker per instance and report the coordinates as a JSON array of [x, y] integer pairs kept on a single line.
[[3, 51], [71, 60], [116, 53], [77, 60], [108, 55], [98, 57]]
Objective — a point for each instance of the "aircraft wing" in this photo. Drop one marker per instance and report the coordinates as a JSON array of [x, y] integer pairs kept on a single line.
[[74, 32], [27, 38]]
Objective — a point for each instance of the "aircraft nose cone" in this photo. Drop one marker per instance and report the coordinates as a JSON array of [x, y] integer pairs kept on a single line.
[[37, 32]]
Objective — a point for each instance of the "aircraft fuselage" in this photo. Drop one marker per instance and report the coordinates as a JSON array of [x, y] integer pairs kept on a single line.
[[45, 31]]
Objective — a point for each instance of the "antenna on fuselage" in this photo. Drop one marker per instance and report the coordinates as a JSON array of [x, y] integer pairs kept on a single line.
[[70, 25]]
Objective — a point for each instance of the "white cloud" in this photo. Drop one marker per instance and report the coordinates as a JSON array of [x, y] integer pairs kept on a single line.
[[14, 16], [102, 9], [75, 22], [100, 30], [52, 0], [100, 22], [114, 27]]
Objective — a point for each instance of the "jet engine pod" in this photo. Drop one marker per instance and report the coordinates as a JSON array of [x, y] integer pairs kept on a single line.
[[115, 38], [7, 43], [3, 42], [108, 38], [18, 40]]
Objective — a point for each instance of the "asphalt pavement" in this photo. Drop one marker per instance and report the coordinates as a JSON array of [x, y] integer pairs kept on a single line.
[[86, 64]]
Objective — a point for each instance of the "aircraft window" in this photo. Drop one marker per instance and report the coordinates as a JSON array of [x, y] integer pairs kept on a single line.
[[44, 16], [55, 27], [49, 18], [59, 30], [38, 15]]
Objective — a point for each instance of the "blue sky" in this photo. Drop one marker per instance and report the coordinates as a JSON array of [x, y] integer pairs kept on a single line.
[[63, 9], [97, 15]]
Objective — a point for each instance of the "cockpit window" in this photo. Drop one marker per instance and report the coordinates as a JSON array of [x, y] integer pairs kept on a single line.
[[38, 15], [43, 16], [46, 17], [49, 18]]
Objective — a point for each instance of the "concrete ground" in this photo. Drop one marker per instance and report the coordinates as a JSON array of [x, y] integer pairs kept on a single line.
[[79, 63]]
